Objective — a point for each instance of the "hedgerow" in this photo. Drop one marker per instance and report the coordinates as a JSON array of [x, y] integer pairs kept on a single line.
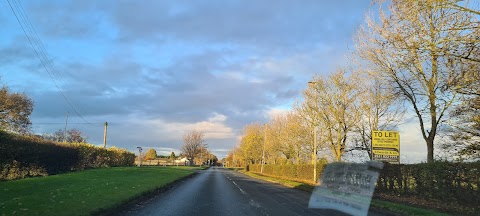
[[446, 181], [295, 172], [457, 183], [29, 156]]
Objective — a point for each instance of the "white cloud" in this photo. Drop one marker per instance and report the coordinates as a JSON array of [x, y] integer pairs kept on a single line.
[[213, 128], [217, 118], [412, 147], [234, 75], [174, 78], [272, 112]]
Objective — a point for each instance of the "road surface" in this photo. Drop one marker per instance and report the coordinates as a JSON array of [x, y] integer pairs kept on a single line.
[[219, 191]]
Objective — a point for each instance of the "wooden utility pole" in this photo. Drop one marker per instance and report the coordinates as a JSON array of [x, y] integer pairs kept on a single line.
[[65, 132], [105, 135]]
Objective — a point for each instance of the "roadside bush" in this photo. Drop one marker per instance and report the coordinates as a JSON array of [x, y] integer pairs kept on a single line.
[[446, 181], [120, 157], [28, 156], [294, 172], [151, 154]]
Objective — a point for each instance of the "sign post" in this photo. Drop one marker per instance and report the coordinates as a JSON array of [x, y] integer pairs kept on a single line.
[[386, 146], [139, 156]]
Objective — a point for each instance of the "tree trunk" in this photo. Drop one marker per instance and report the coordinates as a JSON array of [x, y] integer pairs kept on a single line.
[[430, 150]]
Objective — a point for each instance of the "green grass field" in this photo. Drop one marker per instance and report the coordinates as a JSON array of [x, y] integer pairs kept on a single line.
[[84, 192]]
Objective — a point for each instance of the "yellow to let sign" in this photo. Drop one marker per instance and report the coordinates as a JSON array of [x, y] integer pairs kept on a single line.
[[386, 146]]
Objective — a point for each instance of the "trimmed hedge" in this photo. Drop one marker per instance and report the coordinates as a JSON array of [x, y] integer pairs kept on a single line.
[[28, 156], [294, 172], [446, 181]]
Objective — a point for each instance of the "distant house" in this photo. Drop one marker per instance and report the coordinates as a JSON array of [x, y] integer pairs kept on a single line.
[[182, 161]]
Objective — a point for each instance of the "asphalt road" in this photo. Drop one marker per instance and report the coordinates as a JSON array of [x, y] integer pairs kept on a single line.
[[219, 191]]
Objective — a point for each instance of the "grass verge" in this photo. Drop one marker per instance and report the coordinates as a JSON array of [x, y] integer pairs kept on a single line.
[[235, 168], [288, 183], [395, 208], [84, 192], [404, 209]]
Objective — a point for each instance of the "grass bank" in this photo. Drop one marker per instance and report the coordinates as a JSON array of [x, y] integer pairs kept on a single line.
[[396, 208], [85, 192]]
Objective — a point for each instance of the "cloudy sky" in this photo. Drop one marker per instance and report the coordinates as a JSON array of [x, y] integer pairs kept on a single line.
[[154, 69]]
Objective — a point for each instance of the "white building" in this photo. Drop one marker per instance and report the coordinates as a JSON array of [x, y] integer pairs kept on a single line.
[[182, 161]]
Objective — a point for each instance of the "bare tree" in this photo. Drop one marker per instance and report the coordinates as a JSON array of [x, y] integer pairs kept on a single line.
[[193, 141], [73, 136], [289, 135], [464, 8], [337, 99], [76, 136], [420, 47], [379, 107], [274, 139], [299, 134], [308, 110]]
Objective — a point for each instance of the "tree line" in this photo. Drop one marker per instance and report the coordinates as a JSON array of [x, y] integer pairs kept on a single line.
[[411, 58]]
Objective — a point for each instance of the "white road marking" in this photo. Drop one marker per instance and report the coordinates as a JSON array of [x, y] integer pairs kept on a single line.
[[239, 188], [227, 177], [242, 190], [254, 204]]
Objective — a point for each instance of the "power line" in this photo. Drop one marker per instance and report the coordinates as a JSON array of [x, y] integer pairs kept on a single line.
[[46, 56], [83, 123], [40, 52], [43, 52], [33, 34]]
